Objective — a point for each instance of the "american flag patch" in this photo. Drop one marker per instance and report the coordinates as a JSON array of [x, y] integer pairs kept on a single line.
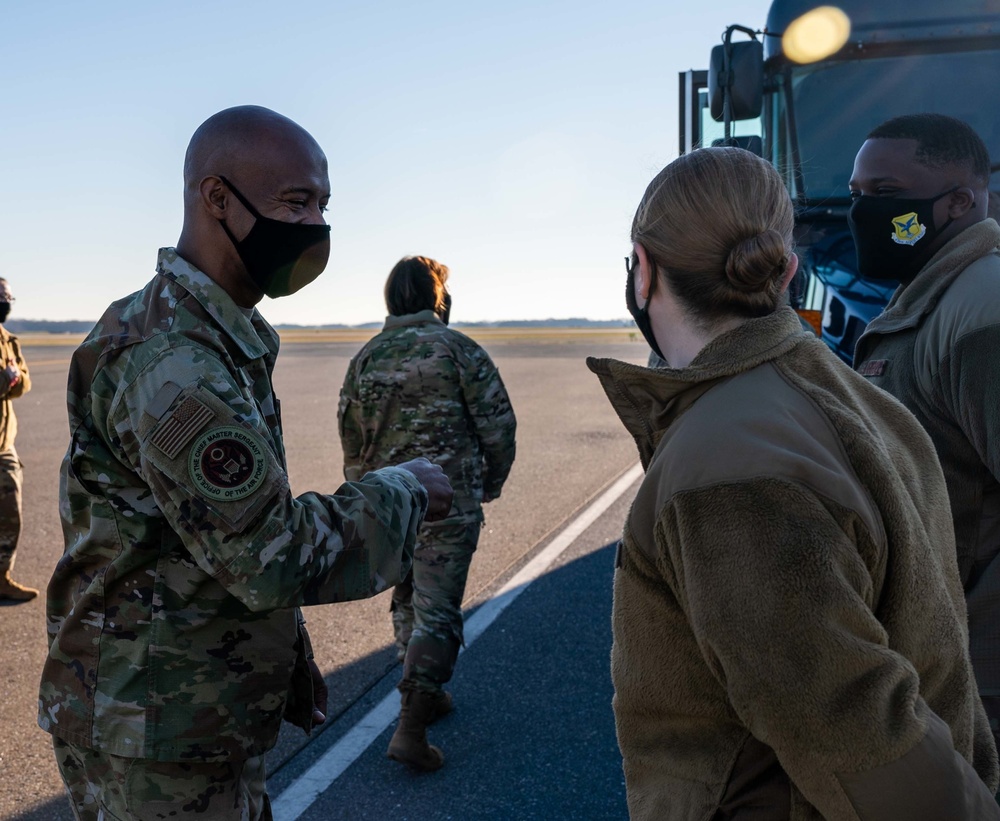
[[174, 432], [873, 367]]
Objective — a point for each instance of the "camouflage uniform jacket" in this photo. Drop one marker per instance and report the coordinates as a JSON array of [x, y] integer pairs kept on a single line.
[[172, 616], [420, 388], [10, 352]]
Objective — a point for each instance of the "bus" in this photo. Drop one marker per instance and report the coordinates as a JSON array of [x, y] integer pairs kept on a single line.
[[805, 90]]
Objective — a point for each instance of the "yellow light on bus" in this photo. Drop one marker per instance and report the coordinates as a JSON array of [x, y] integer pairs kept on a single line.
[[816, 34]]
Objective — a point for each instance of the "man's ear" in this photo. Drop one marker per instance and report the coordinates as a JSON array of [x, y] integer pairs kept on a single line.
[[960, 202], [214, 196]]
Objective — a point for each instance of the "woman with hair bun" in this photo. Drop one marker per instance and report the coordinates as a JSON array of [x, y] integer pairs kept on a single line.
[[790, 633]]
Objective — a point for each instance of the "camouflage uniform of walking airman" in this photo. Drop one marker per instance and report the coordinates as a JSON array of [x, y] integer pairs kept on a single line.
[[420, 388], [175, 639], [10, 465]]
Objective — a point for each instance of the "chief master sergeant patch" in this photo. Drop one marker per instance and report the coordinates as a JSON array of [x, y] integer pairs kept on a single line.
[[201, 453], [227, 464]]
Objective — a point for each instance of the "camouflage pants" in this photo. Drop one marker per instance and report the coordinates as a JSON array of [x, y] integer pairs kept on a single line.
[[111, 788], [10, 507], [427, 605]]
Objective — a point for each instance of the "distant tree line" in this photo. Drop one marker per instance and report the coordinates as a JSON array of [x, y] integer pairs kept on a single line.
[[575, 322], [80, 326], [47, 326]]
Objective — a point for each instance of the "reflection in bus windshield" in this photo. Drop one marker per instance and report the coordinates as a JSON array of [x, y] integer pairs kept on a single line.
[[872, 91]]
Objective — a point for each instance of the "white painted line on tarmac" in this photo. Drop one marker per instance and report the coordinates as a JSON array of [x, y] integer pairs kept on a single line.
[[303, 792]]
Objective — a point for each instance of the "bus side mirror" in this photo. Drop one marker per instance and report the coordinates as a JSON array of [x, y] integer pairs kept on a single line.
[[744, 81]]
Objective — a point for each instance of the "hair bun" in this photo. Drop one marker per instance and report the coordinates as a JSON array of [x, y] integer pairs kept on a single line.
[[753, 262]]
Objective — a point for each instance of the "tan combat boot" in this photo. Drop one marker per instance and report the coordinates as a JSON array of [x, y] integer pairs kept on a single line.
[[441, 705], [409, 742], [12, 591]]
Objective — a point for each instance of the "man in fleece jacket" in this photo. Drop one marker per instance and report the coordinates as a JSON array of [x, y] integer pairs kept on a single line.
[[920, 216]]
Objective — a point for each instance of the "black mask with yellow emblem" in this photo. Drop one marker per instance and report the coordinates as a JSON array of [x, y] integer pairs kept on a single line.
[[892, 235]]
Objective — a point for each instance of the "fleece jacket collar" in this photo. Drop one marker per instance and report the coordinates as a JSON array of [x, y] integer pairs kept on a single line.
[[649, 400], [911, 303]]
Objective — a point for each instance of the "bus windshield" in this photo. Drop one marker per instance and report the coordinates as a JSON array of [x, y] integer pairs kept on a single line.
[[837, 104]]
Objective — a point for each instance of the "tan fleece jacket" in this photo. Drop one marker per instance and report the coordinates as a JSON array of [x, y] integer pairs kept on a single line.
[[936, 349], [789, 626]]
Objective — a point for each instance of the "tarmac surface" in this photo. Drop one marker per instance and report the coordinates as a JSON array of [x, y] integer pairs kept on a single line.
[[532, 735]]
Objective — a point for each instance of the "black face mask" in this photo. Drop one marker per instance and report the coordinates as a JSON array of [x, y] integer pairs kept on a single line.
[[281, 257], [892, 235], [4, 311], [446, 310], [640, 315]]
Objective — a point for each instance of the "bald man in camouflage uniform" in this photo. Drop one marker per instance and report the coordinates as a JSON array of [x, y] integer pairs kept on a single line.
[[14, 383], [176, 642], [420, 388]]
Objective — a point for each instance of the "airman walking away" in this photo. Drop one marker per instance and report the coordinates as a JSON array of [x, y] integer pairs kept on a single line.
[[420, 388]]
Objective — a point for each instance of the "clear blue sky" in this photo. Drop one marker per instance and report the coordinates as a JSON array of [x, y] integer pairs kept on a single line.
[[511, 140]]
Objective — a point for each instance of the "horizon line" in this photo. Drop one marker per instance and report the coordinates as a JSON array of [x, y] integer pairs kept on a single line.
[[623, 321]]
